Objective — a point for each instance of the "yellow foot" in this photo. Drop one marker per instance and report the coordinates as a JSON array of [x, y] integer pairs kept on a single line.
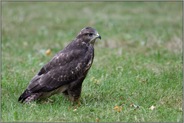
[[48, 101]]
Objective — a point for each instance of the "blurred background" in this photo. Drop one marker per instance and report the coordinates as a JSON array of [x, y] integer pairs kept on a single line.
[[138, 59]]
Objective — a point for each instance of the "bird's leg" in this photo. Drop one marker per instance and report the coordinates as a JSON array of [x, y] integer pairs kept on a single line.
[[74, 94], [76, 102], [69, 97], [65, 93]]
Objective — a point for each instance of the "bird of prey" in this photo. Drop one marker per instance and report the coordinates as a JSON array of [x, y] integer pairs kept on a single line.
[[65, 72]]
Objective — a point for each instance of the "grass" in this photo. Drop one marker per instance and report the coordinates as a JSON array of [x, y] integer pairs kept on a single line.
[[137, 64]]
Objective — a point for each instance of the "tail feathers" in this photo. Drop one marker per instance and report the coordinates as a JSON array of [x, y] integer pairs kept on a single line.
[[24, 96]]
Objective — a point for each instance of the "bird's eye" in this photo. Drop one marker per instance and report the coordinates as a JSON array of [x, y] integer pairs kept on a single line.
[[90, 34]]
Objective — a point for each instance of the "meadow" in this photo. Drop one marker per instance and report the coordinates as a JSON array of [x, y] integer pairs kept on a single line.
[[136, 75]]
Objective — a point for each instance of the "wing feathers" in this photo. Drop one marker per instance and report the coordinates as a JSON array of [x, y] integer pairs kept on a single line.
[[65, 67]]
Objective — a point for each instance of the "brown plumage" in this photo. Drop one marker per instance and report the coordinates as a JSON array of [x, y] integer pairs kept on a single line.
[[65, 72]]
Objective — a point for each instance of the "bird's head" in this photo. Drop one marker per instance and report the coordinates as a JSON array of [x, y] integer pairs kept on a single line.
[[89, 35]]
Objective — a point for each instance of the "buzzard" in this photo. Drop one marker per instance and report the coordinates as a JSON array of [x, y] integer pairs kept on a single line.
[[65, 72]]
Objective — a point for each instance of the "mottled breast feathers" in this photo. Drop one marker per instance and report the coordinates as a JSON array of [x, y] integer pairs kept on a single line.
[[65, 67]]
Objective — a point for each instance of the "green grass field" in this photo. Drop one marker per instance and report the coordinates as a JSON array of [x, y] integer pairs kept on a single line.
[[136, 75]]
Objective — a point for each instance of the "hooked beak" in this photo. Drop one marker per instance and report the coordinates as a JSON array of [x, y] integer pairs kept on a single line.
[[94, 38], [98, 36]]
